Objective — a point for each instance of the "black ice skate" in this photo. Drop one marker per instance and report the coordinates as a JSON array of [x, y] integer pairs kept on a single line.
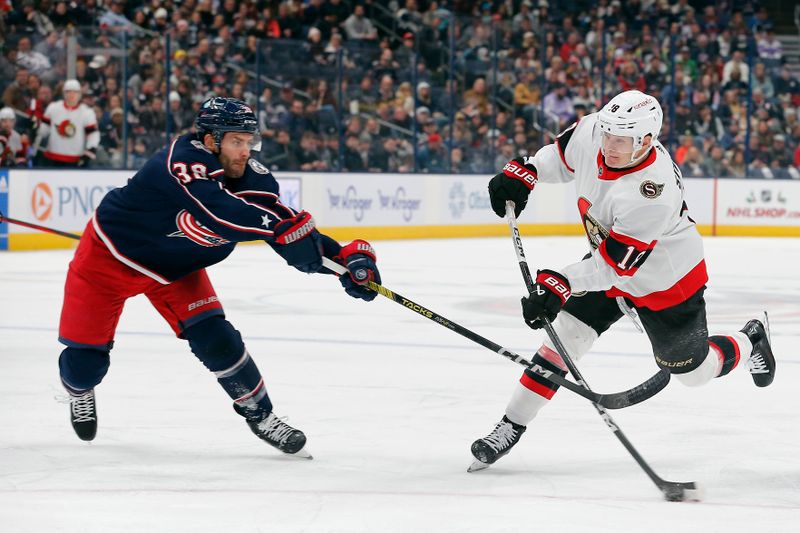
[[277, 433], [83, 414], [761, 362], [496, 444]]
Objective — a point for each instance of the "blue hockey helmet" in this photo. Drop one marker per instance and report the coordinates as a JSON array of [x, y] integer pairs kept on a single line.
[[219, 115]]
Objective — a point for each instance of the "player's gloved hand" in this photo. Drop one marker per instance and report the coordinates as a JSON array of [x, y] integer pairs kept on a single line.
[[299, 243], [87, 158], [515, 182], [550, 293], [359, 258]]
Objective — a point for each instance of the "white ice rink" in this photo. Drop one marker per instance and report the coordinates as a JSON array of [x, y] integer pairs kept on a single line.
[[390, 403]]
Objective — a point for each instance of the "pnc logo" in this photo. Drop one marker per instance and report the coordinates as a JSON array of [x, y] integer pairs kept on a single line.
[[41, 201]]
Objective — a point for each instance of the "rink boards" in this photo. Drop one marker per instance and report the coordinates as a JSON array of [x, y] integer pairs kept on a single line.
[[398, 206]]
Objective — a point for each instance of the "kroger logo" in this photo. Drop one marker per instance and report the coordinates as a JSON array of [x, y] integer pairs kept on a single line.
[[350, 201], [399, 202]]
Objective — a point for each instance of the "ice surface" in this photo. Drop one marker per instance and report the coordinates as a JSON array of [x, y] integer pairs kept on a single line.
[[391, 402]]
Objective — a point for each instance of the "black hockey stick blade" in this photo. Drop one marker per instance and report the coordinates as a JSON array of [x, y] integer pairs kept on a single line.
[[637, 394], [616, 400], [675, 491]]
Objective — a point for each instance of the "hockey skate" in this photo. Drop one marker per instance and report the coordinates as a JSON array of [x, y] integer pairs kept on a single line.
[[277, 433], [83, 414], [496, 444], [761, 362]]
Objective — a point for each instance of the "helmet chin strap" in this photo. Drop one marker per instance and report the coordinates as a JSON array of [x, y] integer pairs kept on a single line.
[[633, 161]]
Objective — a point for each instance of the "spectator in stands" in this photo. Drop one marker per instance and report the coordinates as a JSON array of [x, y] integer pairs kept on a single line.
[[787, 88], [432, 156], [706, 124], [353, 161], [114, 19], [693, 166], [557, 102], [715, 162], [358, 27], [736, 63], [770, 49], [761, 80]]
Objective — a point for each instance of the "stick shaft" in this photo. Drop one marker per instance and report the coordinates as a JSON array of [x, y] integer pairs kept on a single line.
[[31, 225], [604, 414]]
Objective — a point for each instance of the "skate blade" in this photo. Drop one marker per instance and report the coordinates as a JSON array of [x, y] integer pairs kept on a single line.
[[302, 453], [477, 466]]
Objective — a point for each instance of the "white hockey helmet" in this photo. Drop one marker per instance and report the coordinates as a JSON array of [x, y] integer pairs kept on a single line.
[[72, 85], [631, 114], [7, 114]]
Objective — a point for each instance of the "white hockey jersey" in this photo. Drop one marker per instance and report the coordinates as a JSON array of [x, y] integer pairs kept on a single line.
[[12, 149], [72, 131], [644, 245]]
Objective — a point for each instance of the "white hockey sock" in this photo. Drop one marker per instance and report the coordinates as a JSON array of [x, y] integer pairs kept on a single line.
[[524, 405]]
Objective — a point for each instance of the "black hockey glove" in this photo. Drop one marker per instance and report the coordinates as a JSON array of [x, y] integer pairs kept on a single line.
[[299, 243], [515, 182], [550, 294], [359, 258], [87, 158]]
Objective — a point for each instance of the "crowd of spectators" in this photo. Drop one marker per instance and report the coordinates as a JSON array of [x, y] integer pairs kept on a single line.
[[411, 85]]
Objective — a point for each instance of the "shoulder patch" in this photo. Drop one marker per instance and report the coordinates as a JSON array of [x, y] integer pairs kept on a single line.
[[651, 189], [200, 146], [257, 166]]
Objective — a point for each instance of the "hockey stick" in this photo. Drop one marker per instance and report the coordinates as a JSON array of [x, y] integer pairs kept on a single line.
[[673, 491], [31, 225], [617, 400]]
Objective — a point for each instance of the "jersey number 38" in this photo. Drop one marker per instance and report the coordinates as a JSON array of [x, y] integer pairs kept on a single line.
[[187, 174]]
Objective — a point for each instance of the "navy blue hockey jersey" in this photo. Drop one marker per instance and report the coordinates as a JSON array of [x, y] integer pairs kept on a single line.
[[179, 214]]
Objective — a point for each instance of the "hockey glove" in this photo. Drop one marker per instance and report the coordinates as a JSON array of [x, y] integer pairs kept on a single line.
[[359, 258], [299, 243], [549, 295], [515, 182], [87, 158]]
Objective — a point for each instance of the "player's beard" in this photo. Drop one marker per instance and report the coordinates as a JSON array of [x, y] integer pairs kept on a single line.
[[233, 169]]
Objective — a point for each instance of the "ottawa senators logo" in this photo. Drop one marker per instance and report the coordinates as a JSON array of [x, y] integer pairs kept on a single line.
[[595, 231], [651, 189], [66, 128]]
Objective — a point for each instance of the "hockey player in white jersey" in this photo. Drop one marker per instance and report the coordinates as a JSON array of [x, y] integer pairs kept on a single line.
[[645, 252], [71, 130], [12, 145]]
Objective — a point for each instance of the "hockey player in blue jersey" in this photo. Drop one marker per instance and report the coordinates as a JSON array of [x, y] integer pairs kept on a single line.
[[183, 211]]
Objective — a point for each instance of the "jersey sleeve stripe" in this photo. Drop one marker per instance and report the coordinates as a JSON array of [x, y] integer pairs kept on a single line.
[[288, 211], [217, 172], [624, 254], [630, 241]]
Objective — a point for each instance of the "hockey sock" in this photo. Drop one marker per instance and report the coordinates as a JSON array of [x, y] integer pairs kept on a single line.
[[533, 391], [245, 386], [729, 349]]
